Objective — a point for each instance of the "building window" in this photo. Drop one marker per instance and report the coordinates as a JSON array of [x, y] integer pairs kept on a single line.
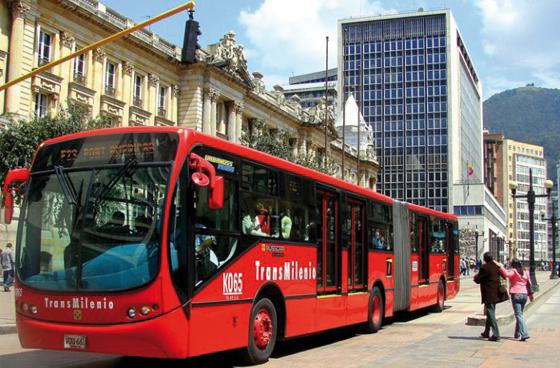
[[110, 78], [45, 44], [41, 105], [137, 93], [80, 69], [162, 101]]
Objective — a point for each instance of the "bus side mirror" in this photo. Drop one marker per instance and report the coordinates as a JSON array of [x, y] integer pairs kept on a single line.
[[216, 194], [205, 175], [15, 177]]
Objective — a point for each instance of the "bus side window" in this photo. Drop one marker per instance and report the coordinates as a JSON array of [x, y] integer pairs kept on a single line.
[[380, 227], [413, 232], [438, 243]]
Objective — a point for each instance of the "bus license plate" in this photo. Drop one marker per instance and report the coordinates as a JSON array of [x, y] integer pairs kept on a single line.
[[74, 342]]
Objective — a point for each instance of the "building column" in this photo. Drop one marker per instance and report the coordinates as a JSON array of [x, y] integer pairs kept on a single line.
[[176, 91], [67, 44], [213, 111], [206, 111], [238, 107], [232, 123], [153, 82], [98, 78], [128, 71], [295, 147], [15, 62], [90, 65]]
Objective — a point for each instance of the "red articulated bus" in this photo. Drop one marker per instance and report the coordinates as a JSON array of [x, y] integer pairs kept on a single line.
[[165, 242]]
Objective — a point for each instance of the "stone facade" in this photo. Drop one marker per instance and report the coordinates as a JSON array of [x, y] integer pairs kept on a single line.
[[140, 80]]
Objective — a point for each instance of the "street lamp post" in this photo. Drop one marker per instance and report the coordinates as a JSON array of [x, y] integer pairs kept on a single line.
[[554, 224], [477, 234], [530, 196]]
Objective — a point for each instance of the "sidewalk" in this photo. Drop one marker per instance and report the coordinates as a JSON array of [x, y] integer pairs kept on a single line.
[[7, 312], [468, 298], [504, 311]]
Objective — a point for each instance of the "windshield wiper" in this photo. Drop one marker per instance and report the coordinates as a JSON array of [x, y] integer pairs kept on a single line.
[[127, 170], [66, 186]]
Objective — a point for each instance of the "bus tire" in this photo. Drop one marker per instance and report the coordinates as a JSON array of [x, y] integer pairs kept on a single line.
[[376, 310], [263, 330], [440, 301]]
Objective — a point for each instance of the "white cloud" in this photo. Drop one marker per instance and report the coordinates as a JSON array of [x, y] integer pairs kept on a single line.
[[520, 37], [496, 84], [289, 35]]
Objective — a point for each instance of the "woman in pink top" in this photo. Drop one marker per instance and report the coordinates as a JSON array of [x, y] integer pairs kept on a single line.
[[519, 284]]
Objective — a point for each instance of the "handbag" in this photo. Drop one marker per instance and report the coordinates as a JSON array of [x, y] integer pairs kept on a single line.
[[530, 290], [502, 290]]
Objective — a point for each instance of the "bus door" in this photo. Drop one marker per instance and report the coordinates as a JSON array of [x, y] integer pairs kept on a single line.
[[328, 264], [422, 231], [355, 242], [450, 244], [331, 306]]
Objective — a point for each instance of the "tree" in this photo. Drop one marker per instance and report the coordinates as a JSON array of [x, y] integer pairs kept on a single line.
[[277, 143], [21, 138]]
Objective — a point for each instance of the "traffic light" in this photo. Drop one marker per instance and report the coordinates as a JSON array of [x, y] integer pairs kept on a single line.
[[190, 42]]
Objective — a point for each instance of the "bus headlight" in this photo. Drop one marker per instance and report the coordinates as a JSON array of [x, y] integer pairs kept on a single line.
[[145, 310], [131, 312], [25, 307], [33, 309]]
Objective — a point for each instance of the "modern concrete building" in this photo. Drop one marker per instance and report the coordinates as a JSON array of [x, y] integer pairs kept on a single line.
[[518, 159], [494, 170], [419, 91], [310, 87]]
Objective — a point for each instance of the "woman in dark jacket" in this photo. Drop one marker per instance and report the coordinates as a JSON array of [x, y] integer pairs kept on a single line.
[[489, 279]]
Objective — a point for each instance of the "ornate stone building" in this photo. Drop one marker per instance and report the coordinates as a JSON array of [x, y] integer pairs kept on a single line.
[[140, 80]]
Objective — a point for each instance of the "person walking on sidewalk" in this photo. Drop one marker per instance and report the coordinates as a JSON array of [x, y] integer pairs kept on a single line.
[[488, 277], [7, 261], [520, 290]]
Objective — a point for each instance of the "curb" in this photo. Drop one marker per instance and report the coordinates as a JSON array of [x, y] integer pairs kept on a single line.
[[8, 329], [504, 320]]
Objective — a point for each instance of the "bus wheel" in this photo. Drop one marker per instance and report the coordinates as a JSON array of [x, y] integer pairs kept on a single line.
[[438, 308], [263, 329], [376, 310]]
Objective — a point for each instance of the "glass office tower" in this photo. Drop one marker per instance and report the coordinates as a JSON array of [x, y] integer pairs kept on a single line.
[[414, 80]]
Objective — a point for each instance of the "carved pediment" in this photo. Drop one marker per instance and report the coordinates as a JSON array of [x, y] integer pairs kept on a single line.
[[230, 57]]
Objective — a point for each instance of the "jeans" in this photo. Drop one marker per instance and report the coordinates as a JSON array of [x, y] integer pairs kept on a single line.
[[8, 278], [491, 322], [518, 301]]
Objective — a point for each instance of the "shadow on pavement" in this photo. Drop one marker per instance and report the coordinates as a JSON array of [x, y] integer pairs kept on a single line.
[[297, 345]]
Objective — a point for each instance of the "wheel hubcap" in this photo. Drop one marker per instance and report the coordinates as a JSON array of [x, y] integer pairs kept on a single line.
[[262, 329]]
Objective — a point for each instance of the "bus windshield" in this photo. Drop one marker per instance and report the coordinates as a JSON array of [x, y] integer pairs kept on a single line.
[[95, 227]]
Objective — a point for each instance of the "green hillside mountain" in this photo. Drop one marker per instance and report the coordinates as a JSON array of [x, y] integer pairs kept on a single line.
[[528, 114]]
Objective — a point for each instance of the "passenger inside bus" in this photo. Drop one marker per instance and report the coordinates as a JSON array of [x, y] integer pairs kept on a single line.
[[251, 226], [377, 240], [142, 225], [206, 260], [262, 218], [115, 225], [286, 223]]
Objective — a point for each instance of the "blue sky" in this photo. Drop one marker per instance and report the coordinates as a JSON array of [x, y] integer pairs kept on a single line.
[[512, 42]]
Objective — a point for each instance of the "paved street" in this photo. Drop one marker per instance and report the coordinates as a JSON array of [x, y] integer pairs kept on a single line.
[[419, 339]]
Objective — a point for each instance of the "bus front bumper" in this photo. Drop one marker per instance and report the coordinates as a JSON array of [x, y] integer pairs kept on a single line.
[[161, 337]]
